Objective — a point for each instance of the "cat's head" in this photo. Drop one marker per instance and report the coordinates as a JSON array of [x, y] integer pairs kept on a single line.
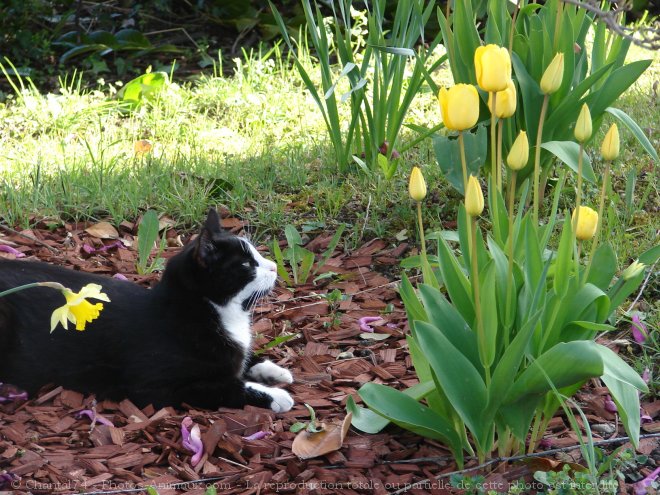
[[226, 268]]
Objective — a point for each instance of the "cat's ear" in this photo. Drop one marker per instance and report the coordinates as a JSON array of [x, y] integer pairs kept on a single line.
[[205, 247]]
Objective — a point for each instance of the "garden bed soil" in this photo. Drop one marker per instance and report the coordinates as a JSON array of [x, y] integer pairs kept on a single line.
[[45, 448]]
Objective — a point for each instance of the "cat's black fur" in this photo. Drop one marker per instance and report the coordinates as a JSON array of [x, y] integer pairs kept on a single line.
[[165, 346]]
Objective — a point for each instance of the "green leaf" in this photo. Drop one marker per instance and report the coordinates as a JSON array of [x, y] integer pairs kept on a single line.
[[279, 259], [455, 281], [365, 419], [564, 259], [568, 152], [331, 247], [632, 126], [445, 316], [406, 412], [650, 256], [603, 267], [414, 308], [614, 86], [447, 153], [565, 364], [624, 384], [460, 380], [147, 237]]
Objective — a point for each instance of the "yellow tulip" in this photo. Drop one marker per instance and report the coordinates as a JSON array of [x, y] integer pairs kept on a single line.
[[505, 104], [459, 106], [553, 75], [474, 198], [583, 125], [609, 150], [417, 185], [587, 223], [492, 64], [77, 309], [519, 152]]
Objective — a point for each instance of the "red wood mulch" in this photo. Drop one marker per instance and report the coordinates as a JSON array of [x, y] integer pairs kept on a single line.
[[44, 448]]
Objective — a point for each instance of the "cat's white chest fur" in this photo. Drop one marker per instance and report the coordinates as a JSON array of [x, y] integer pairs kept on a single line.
[[236, 321]]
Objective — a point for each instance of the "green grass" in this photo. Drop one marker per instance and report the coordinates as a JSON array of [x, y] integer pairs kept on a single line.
[[255, 143]]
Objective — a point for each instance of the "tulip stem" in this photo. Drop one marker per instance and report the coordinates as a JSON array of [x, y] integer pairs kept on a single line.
[[509, 284], [461, 145], [421, 229], [493, 139], [495, 179], [500, 130], [481, 334], [578, 193], [513, 25], [601, 208], [537, 160]]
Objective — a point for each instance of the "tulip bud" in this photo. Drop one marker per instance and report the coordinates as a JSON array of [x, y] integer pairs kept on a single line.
[[553, 75], [459, 106], [633, 270], [519, 152], [583, 125], [492, 65], [505, 104], [587, 223], [639, 330], [474, 198], [609, 150], [417, 185]]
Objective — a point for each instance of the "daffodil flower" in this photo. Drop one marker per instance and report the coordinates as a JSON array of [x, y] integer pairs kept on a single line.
[[78, 310]]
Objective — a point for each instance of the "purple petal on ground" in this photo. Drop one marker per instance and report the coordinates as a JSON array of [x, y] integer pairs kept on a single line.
[[260, 435], [95, 418], [7, 477], [546, 443], [12, 397], [119, 276], [364, 322], [8, 249], [88, 249], [646, 376], [641, 486], [645, 418], [191, 439], [639, 331], [609, 404]]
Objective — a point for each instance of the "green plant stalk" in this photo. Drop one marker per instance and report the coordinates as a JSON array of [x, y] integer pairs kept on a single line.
[[494, 164], [52, 285], [533, 438], [461, 145], [481, 335], [560, 13], [601, 207], [578, 193], [513, 25], [537, 160], [421, 231], [509, 284], [500, 130]]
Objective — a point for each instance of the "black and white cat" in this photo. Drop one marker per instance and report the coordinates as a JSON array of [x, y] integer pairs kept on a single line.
[[187, 340]]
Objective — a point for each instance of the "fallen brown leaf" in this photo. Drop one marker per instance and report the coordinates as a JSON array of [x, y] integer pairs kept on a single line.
[[102, 230], [308, 445]]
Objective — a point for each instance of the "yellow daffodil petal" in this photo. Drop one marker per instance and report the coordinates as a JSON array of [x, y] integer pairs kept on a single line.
[[85, 312], [59, 316], [93, 291]]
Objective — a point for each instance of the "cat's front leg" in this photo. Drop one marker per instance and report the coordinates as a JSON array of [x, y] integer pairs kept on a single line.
[[274, 398], [265, 371]]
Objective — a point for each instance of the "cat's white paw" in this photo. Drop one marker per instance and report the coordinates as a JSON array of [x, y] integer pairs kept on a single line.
[[269, 372], [281, 400]]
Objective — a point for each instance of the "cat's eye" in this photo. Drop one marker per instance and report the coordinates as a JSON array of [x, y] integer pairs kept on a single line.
[[247, 264]]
